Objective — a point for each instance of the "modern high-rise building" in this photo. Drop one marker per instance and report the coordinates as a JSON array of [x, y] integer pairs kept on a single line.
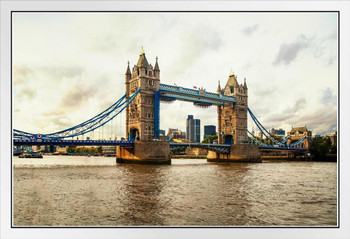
[[209, 130], [193, 129]]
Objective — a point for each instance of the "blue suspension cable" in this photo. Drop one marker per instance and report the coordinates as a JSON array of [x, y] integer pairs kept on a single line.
[[262, 128], [90, 125], [258, 141]]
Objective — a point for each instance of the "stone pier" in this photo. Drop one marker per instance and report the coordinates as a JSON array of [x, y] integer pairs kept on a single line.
[[144, 152], [238, 153]]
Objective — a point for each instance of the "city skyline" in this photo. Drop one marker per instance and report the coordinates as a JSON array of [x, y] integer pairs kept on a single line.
[[65, 72]]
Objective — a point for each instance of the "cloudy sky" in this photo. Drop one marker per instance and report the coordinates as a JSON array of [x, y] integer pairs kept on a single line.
[[68, 67]]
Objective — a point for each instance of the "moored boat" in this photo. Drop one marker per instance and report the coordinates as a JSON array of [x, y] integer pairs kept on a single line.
[[31, 155]]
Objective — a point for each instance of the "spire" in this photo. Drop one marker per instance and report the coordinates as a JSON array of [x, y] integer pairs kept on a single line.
[[219, 88], [142, 62], [232, 80], [232, 74], [156, 67], [128, 72], [245, 83]]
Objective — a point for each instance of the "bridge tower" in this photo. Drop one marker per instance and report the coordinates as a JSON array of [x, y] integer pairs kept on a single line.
[[232, 119], [232, 125], [142, 116], [140, 113]]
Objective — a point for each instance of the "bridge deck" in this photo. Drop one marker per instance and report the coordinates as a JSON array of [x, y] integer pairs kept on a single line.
[[72, 142], [224, 148]]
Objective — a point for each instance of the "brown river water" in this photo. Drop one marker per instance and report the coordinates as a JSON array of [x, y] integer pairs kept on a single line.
[[95, 191]]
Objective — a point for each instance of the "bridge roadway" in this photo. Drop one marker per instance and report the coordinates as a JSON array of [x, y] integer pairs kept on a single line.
[[222, 148], [72, 142]]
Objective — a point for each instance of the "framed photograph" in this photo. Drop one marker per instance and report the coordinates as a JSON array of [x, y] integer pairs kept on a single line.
[[152, 119]]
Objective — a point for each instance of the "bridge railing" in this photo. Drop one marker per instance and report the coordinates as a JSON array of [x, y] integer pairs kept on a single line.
[[170, 96], [70, 142], [182, 90]]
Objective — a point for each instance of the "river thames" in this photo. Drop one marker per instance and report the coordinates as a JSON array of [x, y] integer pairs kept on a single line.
[[95, 191]]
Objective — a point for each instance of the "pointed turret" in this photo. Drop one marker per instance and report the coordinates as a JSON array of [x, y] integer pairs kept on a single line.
[[128, 72], [219, 88], [232, 80], [231, 84], [142, 62], [127, 79], [156, 67], [245, 83]]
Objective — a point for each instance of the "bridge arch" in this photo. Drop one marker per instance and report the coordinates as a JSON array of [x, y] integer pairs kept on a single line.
[[228, 139], [134, 134]]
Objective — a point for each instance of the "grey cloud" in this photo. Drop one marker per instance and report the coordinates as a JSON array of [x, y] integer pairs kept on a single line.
[[195, 44], [54, 113], [106, 43], [61, 123], [331, 37], [326, 129], [278, 118], [210, 39], [251, 64], [202, 40], [322, 121], [325, 48], [250, 29], [56, 123], [78, 95], [297, 107], [27, 93], [264, 91], [287, 114], [21, 74], [260, 111], [299, 104], [288, 52], [106, 104], [328, 97], [66, 71]]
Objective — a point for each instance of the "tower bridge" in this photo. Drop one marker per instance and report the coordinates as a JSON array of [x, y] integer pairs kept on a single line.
[[141, 104]]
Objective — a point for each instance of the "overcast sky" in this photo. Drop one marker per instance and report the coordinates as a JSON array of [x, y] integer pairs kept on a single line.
[[68, 67]]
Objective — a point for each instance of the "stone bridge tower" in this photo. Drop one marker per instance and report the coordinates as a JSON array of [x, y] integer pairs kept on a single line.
[[140, 113], [232, 119], [140, 116]]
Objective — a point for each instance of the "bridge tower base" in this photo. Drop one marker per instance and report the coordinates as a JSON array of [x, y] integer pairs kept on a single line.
[[248, 153], [144, 152]]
